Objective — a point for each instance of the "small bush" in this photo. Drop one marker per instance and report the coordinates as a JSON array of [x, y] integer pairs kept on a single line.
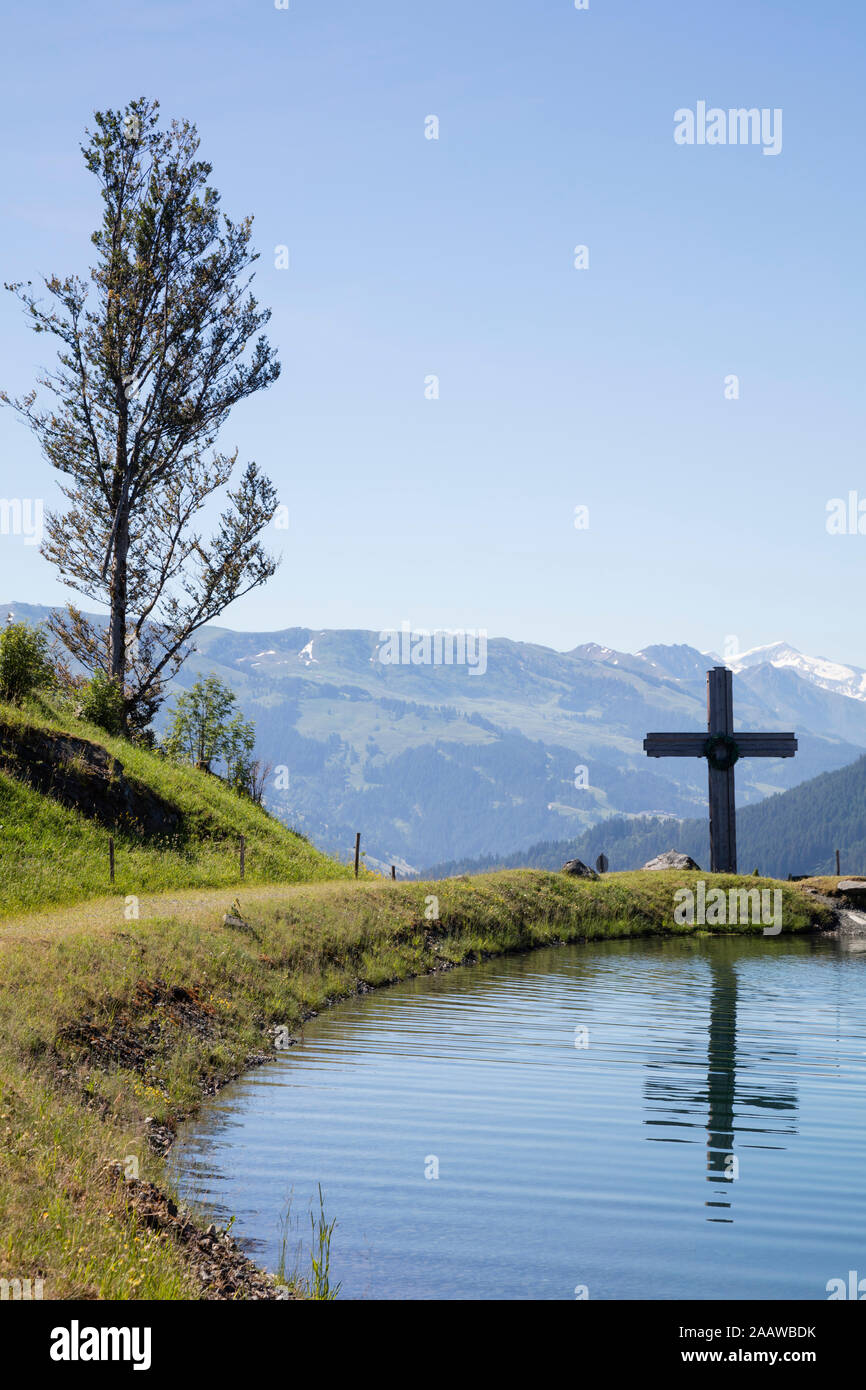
[[25, 661], [102, 703]]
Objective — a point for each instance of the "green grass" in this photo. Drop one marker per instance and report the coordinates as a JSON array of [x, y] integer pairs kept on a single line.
[[62, 1215], [106, 1023], [53, 855], [93, 1040]]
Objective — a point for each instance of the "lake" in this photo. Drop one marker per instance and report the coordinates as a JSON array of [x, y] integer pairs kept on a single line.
[[632, 1119]]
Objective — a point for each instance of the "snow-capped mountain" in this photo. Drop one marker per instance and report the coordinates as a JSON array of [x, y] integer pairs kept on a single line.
[[817, 670], [433, 765]]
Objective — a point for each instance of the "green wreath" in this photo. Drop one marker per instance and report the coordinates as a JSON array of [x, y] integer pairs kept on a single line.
[[721, 751]]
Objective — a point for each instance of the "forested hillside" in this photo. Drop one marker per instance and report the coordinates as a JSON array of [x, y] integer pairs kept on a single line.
[[794, 832]]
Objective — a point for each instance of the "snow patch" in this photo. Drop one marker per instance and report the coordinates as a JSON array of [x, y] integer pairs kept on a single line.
[[834, 676], [270, 652]]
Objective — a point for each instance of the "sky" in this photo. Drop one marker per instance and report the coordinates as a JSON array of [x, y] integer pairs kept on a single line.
[[409, 258]]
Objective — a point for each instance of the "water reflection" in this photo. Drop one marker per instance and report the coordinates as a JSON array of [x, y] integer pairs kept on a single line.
[[733, 1107], [715, 1050]]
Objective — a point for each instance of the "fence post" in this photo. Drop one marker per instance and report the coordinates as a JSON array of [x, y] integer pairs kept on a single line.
[[393, 870], [243, 855], [357, 851], [111, 858], [838, 871]]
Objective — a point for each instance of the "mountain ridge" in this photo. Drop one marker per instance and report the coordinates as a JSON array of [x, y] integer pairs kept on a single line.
[[432, 763]]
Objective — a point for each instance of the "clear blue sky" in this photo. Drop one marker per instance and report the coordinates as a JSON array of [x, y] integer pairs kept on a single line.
[[411, 256]]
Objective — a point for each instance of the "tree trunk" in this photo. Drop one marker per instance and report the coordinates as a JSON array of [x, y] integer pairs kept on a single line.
[[118, 585], [117, 630]]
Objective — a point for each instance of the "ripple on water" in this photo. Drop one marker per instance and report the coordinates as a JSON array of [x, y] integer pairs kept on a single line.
[[605, 1165]]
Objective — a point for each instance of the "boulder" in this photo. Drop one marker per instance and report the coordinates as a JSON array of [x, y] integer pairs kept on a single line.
[[851, 929], [579, 870], [853, 890], [672, 859]]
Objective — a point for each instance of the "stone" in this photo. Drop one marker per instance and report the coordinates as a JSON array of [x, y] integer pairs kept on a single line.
[[853, 890], [578, 870], [851, 930], [672, 859]]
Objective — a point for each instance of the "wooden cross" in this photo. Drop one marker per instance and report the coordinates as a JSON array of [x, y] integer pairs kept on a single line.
[[722, 748]]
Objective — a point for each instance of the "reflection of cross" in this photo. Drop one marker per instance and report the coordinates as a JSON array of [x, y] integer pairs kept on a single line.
[[721, 748], [736, 1108]]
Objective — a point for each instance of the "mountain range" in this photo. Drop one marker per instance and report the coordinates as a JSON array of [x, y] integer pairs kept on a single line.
[[438, 763]]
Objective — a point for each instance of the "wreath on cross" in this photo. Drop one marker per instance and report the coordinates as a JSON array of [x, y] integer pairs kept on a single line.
[[721, 751]]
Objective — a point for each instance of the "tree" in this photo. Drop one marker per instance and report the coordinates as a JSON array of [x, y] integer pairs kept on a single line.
[[25, 661], [205, 730], [101, 702], [254, 779], [149, 368], [238, 753]]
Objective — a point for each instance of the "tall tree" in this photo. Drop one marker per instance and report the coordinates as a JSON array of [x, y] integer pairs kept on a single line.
[[153, 354]]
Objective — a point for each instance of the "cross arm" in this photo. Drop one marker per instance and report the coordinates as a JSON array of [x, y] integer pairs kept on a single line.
[[766, 745], [674, 745], [689, 745]]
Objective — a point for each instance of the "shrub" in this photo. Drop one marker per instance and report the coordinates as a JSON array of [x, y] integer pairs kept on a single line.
[[102, 703], [25, 661]]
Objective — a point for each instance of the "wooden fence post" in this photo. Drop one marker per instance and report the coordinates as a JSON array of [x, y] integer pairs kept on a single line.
[[111, 858], [243, 855], [357, 851], [393, 870], [838, 870]]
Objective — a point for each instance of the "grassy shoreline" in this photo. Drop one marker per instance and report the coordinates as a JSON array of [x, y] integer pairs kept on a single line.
[[112, 1034]]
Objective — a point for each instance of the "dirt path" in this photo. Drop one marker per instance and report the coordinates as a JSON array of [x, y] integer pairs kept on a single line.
[[203, 906]]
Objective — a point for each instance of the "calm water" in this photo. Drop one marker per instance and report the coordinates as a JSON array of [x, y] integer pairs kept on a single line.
[[602, 1165]]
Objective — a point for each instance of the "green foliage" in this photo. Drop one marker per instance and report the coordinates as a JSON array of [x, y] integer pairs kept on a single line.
[[321, 1287], [25, 661], [240, 738], [204, 731], [102, 703]]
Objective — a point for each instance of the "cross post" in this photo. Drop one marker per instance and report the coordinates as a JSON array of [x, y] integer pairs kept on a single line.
[[722, 749]]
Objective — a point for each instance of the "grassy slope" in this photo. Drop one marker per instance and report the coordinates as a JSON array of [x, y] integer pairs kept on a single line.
[[50, 854], [92, 1041]]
